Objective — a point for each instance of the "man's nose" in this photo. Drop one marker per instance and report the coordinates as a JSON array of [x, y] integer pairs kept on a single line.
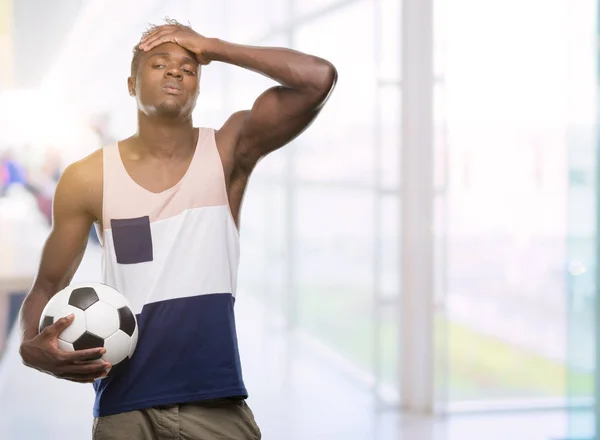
[[174, 72]]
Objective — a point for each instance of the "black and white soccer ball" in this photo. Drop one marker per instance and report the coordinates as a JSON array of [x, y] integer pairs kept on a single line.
[[103, 318]]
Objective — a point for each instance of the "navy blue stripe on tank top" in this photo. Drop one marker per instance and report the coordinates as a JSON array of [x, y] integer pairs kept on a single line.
[[187, 351]]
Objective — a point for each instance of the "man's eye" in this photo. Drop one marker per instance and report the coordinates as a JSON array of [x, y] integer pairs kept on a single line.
[[158, 66], [188, 72]]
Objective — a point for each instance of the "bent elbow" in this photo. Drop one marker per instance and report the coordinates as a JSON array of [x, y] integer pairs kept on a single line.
[[327, 76], [323, 81]]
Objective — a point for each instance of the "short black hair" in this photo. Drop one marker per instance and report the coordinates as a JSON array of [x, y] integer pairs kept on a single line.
[[137, 53]]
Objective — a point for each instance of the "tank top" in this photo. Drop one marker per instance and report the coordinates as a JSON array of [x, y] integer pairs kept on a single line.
[[174, 255]]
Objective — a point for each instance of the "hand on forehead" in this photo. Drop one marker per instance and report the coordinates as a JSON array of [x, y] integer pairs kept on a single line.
[[156, 29]]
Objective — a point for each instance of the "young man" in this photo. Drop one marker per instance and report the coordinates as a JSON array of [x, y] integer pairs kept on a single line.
[[167, 204]]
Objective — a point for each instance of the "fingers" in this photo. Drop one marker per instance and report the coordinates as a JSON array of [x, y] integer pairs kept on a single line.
[[88, 371], [156, 34], [95, 369], [90, 354], [159, 38], [55, 329], [153, 33], [83, 366]]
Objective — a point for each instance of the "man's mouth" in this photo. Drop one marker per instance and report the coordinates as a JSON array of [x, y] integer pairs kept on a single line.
[[171, 88]]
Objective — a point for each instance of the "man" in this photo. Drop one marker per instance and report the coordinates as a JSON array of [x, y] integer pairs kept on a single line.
[[167, 204], [12, 172]]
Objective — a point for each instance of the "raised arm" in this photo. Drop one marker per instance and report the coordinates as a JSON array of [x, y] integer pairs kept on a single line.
[[61, 256], [282, 112]]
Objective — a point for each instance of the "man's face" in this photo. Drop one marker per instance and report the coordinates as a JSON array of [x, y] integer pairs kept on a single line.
[[167, 82]]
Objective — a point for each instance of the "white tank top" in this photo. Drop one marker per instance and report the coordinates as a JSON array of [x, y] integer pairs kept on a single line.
[[175, 256]]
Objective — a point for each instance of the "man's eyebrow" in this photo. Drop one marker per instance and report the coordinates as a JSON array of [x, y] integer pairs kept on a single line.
[[167, 54]]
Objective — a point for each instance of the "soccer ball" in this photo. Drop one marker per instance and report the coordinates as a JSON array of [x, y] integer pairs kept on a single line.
[[103, 318]]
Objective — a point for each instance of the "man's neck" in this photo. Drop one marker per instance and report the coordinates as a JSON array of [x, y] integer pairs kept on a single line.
[[164, 137]]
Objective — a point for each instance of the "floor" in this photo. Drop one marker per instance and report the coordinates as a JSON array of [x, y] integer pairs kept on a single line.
[[295, 395]]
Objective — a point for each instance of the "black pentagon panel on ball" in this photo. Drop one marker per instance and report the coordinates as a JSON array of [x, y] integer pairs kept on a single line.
[[126, 320], [47, 321], [88, 340], [83, 297]]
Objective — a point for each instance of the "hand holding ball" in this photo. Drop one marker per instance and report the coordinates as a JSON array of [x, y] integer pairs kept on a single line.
[[102, 318]]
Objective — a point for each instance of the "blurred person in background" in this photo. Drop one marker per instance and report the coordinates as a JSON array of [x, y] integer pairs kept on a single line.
[[13, 172], [4, 175], [44, 183], [168, 202], [54, 160]]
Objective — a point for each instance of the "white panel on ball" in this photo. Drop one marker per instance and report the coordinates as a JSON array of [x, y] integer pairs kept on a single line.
[[117, 347], [101, 319], [77, 327], [57, 303], [65, 346], [134, 340], [109, 295]]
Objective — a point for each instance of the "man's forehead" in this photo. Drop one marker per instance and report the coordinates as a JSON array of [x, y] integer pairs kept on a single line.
[[171, 50]]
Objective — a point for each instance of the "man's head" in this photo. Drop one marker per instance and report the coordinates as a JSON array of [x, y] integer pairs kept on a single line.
[[165, 80]]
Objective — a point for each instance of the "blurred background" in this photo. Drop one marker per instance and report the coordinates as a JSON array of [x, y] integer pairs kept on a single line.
[[420, 264]]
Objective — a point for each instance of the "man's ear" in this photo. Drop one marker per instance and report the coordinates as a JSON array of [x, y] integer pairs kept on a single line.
[[131, 85]]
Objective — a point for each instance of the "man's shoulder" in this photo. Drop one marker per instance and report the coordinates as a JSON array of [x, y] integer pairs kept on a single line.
[[85, 171], [82, 182]]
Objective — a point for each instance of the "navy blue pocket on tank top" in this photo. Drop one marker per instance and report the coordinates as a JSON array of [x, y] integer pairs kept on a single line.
[[133, 240]]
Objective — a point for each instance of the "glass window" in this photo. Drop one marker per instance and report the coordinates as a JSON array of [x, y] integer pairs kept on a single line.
[[334, 268], [336, 236], [263, 264], [387, 361], [508, 136], [339, 145], [389, 38], [581, 262], [387, 247], [305, 7], [387, 135], [248, 21], [278, 12]]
